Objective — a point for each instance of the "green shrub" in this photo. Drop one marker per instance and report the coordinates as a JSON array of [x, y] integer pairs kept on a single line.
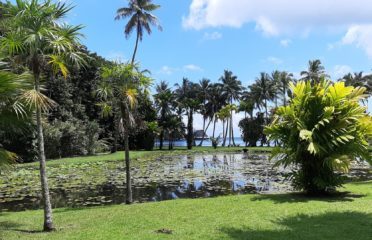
[[322, 130]]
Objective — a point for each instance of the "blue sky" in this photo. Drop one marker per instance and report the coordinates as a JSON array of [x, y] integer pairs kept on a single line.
[[201, 38]]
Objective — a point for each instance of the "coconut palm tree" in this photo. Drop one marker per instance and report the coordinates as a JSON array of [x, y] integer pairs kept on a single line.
[[247, 104], [188, 101], [205, 109], [314, 72], [36, 37], [263, 91], [163, 101], [140, 19], [119, 90], [231, 89], [283, 85], [215, 102]]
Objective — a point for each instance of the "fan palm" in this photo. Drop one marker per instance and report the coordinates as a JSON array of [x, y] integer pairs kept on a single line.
[[120, 87], [139, 12], [231, 89], [35, 36]]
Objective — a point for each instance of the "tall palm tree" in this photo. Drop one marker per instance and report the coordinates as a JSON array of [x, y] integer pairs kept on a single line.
[[140, 19], [36, 37], [188, 102], [263, 92], [215, 102], [163, 101], [247, 104], [119, 90], [315, 72], [231, 89], [356, 79], [283, 85], [205, 110]]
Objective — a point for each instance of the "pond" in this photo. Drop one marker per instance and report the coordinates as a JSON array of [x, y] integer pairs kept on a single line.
[[160, 178]]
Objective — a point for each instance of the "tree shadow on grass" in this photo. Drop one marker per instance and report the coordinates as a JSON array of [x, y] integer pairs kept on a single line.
[[333, 225], [16, 227], [301, 197]]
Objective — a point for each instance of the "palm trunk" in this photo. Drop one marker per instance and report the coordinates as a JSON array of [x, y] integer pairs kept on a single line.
[[48, 218], [161, 139], [266, 120], [136, 46], [284, 97], [125, 114], [226, 131], [190, 130], [201, 142], [214, 126], [230, 131]]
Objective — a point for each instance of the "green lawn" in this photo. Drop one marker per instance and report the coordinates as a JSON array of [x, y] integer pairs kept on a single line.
[[283, 217]]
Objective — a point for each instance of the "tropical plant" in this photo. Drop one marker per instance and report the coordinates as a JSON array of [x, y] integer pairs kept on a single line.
[[322, 130], [164, 99], [36, 36], [252, 130], [315, 72], [139, 12], [231, 90], [119, 89], [215, 141], [189, 102]]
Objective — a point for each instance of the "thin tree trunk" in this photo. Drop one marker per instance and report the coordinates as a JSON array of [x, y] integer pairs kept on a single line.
[[230, 131], [226, 131], [161, 139], [214, 126], [206, 129], [284, 96], [136, 46], [48, 217], [190, 130], [201, 142], [125, 114]]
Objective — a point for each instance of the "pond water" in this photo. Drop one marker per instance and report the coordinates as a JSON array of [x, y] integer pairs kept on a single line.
[[156, 179]]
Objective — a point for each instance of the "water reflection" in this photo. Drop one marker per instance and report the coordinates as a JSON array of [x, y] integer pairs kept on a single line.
[[167, 177]]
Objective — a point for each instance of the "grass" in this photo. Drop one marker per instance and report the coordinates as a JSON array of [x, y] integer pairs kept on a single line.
[[283, 217], [119, 156]]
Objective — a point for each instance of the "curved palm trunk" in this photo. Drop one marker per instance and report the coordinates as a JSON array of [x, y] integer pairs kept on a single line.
[[48, 218], [136, 46], [214, 127], [226, 131], [201, 142], [204, 132], [125, 114]]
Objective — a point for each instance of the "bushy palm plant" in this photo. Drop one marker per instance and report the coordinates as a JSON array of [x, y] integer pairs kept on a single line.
[[322, 130], [119, 91]]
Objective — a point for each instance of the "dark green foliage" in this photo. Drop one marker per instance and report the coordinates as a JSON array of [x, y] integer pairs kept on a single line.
[[252, 130]]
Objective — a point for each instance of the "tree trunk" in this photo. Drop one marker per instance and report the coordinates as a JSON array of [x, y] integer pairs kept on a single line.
[[190, 130], [226, 131], [48, 218], [161, 139], [214, 126], [201, 142], [266, 120], [284, 97], [206, 129], [136, 46], [116, 134], [125, 114]]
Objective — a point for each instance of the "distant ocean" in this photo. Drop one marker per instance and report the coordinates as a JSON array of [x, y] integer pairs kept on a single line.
[[206, 143]]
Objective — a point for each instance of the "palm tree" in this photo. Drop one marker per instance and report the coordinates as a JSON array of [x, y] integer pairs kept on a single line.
[[36, 36], [13, 115], [356, 80], [120, 87], [223, 115], [315, 72], [283, 85], [263, 91], [231, 89], [247, 104], [139, 12], [275, 78], [215, 103], [163, 101], [205, 110], [188, 101]]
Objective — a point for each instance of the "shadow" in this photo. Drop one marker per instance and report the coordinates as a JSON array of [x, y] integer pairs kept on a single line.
[[333, 225], [301, 197], [15, 227]]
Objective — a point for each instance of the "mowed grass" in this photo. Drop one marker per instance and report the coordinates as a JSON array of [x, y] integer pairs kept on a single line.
[[285, 216]]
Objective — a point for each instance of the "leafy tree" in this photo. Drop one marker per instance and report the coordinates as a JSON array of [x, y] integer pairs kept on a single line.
[[119, 90], [252, 129], [315, 72], [322, 130], [139, 12], [36, 36], [164, 99], [189, 102], [231, 89]]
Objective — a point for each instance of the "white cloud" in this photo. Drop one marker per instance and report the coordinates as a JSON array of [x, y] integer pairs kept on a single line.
[[274, 60], [212, 36], [277, 16], [285, 42], [340, 70], [192, 68], [361, 37], [167, 70]]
